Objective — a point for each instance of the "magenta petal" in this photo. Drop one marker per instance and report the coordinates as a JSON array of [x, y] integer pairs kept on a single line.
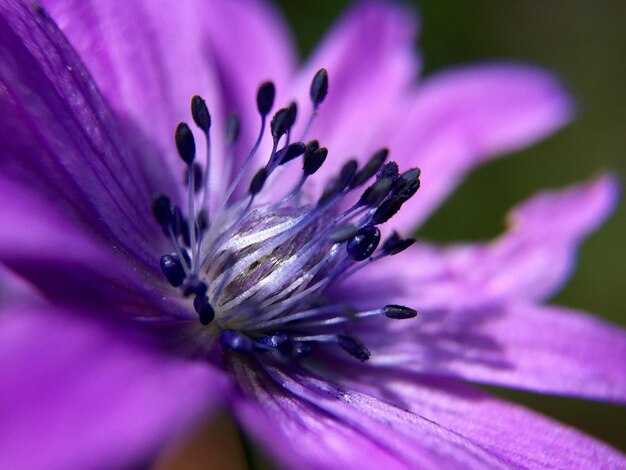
[[80, 394], [462, 117], [309, 423], [149, 58], [529, 262], [542, 349], [371, 61], [59, 138], [72, 266], [537, 254], [517, 436], [249, 43]]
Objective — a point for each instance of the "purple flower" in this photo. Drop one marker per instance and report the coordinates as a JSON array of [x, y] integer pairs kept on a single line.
[[119, 331]]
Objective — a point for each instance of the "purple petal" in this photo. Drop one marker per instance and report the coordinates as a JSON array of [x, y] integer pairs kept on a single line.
[[530, 262], [537, 255], [249, 42], [74, 267], [371, 61], [460, 118], [537, 348], [58, 137], [309, 423], [149, 58], [80, 394], [517, 436]]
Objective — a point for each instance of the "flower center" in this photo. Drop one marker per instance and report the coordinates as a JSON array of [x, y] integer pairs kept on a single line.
[[258, 267]]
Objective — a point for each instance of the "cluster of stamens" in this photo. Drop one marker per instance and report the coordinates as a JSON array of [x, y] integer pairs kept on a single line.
[[259, 270]]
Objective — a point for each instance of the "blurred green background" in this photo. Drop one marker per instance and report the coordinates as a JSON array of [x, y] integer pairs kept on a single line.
[[584, 42]]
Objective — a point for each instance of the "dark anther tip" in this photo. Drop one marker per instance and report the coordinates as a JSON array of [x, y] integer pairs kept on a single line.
[[258, 180], [232, 128], [185, 143], [237, 342], [394, 244], [343, 233], [314, 160], [405, 179], [353, 347], [376, 192], [370, 168], [204, 309], [408, 190], [265, 97], [200, 113], [311, 147], [341, 182], [389, 170], [363, 244], [399, 312], [290, 152], [319, 87], [162, 209], [348, 170], [172, 270], [279, 122], [398, 247], [292, 114], [387, 210]]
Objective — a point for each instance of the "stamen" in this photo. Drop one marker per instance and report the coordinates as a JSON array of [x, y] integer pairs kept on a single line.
[[265, 101], [290, 152], [353, 347], [319, 87], [202, 118], [399, 312], [371, 168], [257, 269], [292, 113], [257, 182], [200, 113], [204, 309], [265, 98], [172, 270], [363, 244], [236, 342], [162, 210], [318, 92], [185, 143]]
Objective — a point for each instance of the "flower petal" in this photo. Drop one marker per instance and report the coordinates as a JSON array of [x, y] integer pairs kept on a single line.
[[249, 42], [371, 61], [538, 253], [460, 118], [310, 423], [529, 262], [80, 394], [71, 266], [476, 319], [150, 57], [516, 435], [58, 137], [537, 348]]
